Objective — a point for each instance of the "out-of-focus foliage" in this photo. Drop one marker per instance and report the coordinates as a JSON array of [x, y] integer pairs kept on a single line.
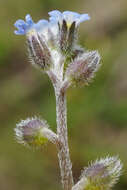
[[97, 114]]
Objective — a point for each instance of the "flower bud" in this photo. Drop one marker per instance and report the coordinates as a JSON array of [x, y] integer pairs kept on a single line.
[[34, 132], [83, 68], [101, 175], [38, 51]]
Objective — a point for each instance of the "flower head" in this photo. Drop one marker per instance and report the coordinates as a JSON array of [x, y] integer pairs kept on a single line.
[[52, 45], [68, 16], [67, 21], [23, 26]]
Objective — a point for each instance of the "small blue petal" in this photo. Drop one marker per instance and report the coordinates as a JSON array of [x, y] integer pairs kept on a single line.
[[20, 24], [70, 16], [29, 20], [41, 24], [70, 13], [55, 13], [84, 17], [19, 32], [55, 16]]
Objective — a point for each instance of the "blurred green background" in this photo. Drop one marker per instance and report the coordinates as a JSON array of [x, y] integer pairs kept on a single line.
[[97, 114]]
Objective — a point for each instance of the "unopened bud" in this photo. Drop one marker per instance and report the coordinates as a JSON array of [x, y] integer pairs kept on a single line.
[[34, 132], [39, 52], [83, 68], [101, 175]]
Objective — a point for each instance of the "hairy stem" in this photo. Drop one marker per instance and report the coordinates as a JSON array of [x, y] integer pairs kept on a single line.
[[63, 150]]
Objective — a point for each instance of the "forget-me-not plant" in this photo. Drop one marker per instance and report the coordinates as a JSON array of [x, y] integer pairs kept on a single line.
[[53, 48]]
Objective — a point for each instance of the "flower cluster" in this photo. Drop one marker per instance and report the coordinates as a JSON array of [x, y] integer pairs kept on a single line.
[[53, 47]]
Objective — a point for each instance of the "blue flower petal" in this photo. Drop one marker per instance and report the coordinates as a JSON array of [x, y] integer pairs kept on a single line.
[[41, 24], [84, 17], [55, 16], [19, 32], [55, 13], [20, 24], [72, 14], [29, 20]]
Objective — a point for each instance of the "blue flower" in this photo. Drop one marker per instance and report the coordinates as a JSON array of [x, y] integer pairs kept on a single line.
[[68, 16], [55, 17], [25, 26]]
